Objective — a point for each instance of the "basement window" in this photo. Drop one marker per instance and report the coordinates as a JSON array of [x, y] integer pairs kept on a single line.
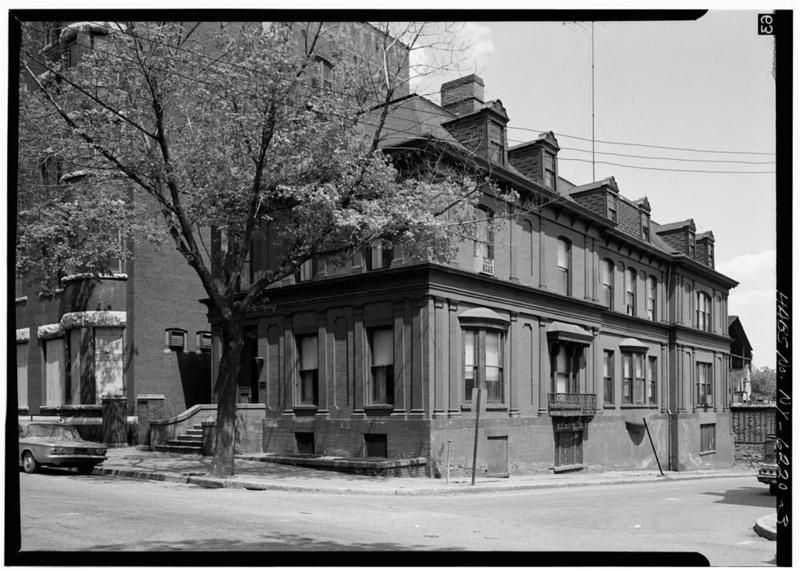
[[175, 339]]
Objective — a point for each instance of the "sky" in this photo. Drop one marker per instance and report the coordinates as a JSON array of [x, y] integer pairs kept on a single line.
[[704, 85]]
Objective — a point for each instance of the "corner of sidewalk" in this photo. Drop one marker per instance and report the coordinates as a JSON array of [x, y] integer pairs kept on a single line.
[[767, 527]]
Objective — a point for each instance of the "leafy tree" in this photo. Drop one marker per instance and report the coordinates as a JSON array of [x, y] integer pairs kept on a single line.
[[762, 382], [231, 132]]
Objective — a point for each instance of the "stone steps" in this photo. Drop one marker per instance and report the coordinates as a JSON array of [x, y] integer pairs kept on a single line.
[[190, 442]]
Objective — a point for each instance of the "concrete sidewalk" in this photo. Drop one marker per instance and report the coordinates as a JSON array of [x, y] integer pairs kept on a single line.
[[253, 473]]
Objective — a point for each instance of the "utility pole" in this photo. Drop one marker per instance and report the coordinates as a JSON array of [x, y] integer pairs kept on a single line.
[[594, 178]]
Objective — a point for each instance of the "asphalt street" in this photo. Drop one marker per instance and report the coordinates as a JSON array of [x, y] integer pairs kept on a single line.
[[64, 511]]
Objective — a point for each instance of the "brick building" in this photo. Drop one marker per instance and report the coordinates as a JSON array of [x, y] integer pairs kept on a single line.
[[140, 331], [578, 315]]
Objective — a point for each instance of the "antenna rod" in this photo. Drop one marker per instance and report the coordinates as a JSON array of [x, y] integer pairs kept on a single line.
[[594, 178]]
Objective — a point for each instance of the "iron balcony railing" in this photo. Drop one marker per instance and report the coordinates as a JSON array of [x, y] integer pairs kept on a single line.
[[571, 404]]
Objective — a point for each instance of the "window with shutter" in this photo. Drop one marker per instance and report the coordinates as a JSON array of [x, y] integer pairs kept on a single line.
[[381, 342], [308, 361]]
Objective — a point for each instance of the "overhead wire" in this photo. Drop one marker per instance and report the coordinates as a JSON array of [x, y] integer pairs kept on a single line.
[[640, 167]]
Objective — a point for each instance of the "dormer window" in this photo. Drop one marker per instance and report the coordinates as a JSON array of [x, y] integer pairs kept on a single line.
[[496, 143], [549, 163], [711, 255], [691, 244], [645, 227], [612, 208]]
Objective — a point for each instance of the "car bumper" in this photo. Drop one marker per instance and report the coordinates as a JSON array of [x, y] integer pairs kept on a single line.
[[72, 460]]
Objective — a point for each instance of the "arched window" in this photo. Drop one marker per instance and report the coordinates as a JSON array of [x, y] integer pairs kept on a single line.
[[652, 285], [630, 291], [607, 283], [703, 311], [564, 265]]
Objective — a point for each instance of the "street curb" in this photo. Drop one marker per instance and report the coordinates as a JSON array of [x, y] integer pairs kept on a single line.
[[766, 527], [212, 482]]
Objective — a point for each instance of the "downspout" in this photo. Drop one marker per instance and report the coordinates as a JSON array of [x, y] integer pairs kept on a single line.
[[672, 418]]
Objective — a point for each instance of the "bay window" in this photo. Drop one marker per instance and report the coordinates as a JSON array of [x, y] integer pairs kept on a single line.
[[652, 379], [633, 381], [566, 364], [483, 363]]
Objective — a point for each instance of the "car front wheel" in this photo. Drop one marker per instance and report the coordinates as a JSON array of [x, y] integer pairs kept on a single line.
[[29, 463], [773, 489], [85, 469]]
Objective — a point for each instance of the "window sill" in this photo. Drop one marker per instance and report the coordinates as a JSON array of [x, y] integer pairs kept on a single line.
[[467, 407], [305, 408], [609, 405], [378, 408], [629, 405], [707, 452]]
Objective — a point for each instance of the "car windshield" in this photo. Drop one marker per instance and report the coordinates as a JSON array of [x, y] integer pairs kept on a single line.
[[53, 431]]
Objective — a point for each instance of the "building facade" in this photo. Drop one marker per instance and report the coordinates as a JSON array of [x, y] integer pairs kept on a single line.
[[584, 323], [139, 332]]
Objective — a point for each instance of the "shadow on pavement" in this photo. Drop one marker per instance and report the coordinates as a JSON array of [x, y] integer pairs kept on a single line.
[[749, 496], [270, 542]]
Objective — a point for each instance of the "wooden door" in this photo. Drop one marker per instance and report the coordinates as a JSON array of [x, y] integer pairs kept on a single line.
[[497, 456]]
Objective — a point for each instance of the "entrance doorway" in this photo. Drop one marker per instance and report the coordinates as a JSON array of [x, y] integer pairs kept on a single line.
[[568, 444], [251, 369]]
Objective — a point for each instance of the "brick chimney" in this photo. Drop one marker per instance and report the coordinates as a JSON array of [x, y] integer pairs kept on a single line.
[[463, 96], [479, 126]]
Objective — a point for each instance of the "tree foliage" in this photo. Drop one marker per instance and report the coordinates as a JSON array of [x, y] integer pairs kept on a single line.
[[230, 132], [762, 383]]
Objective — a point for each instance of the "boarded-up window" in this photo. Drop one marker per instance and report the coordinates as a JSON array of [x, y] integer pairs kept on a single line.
[[76, 353], [708, 437], [108, 352], [54, 377], [22, 375]]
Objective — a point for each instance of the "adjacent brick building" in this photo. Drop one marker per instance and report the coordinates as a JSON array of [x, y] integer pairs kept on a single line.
[[579, 316], [140, 331]]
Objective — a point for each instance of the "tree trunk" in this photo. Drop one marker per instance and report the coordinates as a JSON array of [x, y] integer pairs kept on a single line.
[[225, 389]]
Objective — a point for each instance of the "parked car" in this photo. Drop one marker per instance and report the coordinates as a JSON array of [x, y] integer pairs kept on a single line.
[[51, 444], [768, 469]]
